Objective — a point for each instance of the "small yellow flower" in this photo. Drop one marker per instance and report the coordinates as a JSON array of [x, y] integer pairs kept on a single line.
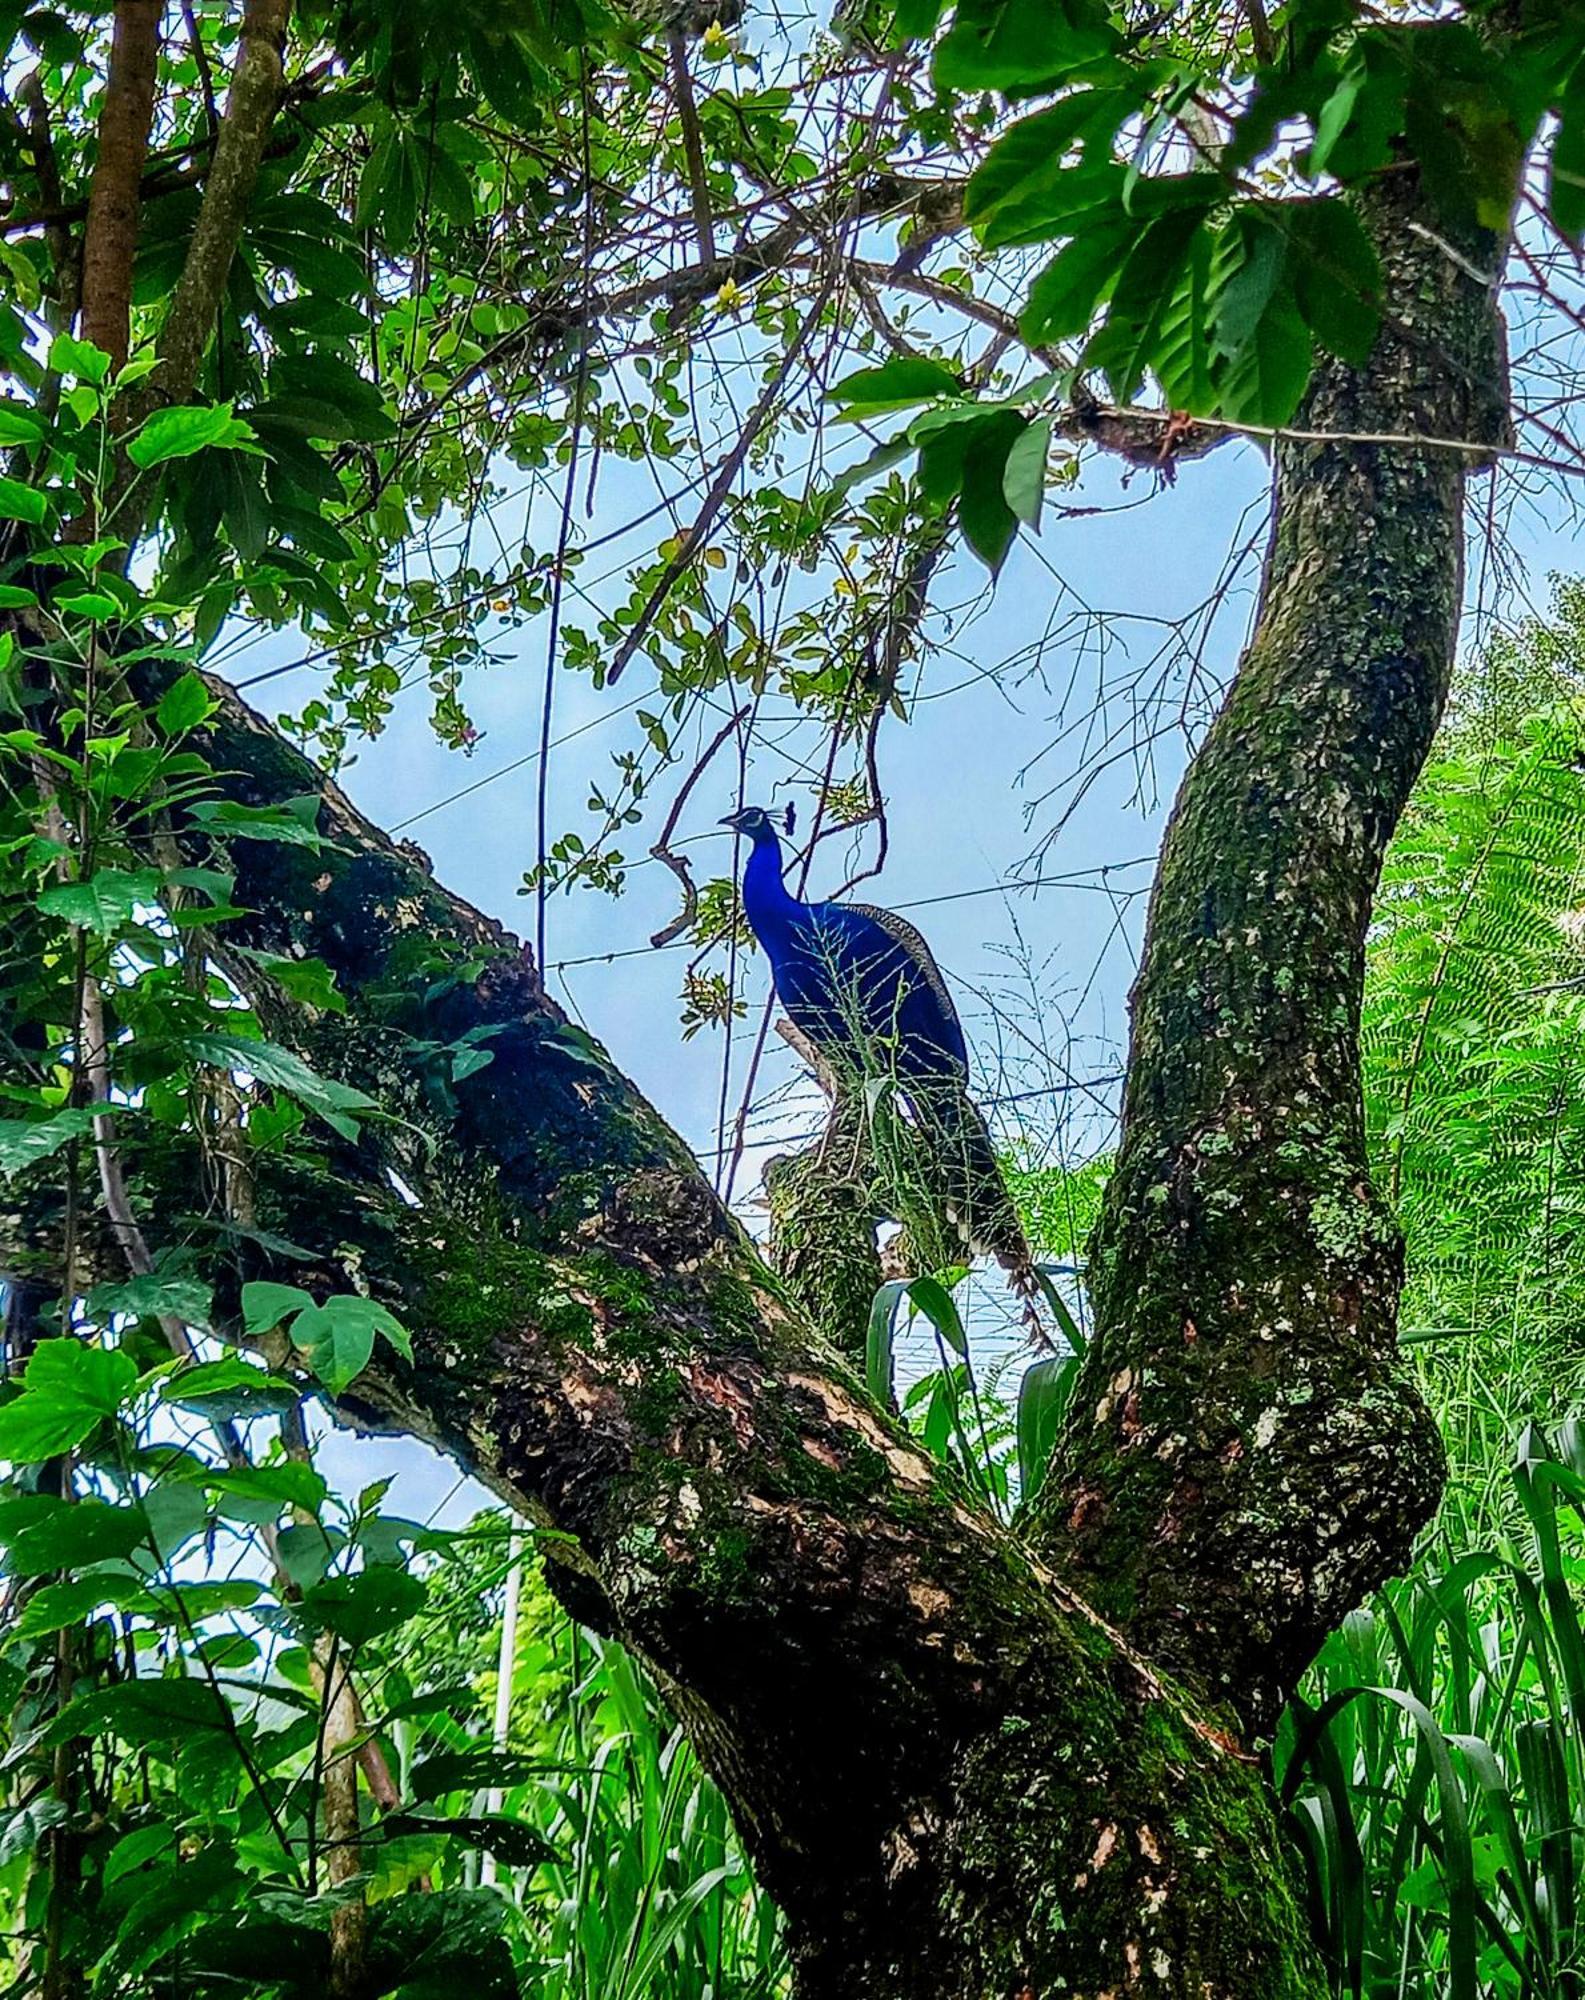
[[730, 295]]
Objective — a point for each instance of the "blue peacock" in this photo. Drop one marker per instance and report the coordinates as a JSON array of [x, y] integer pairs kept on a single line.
[[861, 985]]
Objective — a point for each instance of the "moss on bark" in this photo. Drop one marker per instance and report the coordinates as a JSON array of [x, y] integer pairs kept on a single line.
[[1244, 1458]]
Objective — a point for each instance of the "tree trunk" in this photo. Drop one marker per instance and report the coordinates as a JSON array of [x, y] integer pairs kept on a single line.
[[1245, 1459]]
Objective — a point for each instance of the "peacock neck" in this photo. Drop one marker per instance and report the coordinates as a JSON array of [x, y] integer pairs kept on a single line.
[[767, 902]]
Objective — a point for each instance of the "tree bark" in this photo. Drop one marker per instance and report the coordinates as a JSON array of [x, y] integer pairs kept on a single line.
[[114, 198], [954, 1777], [1245, 1459]]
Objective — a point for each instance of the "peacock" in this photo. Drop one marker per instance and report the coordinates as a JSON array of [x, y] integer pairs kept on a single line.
[[861, 985]]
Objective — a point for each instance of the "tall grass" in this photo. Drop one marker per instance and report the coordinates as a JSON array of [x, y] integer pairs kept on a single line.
[[1433, 1768]]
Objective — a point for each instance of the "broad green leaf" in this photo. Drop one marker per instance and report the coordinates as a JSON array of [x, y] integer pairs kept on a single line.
[[1250, 263], [57, 1605], [1336, 278], [106, 902], [60, 1534], [1264, 382], [69, 356], [284, 1070], [308, 980], [68, 1389], [338, 1337], [230, 1389], [26, 1141], [265, 1304], [1018, 46], [1064, 298], [180, 431], [290, 1484], [1126, 346], [1183, 361], [1028, 190], [20, 502], [1024, 475], [19, 424], [988, 522], [184, 704], [509, 1840], [292, 823], [365, 1606], [1566, 168], [184, 1298], [142, 1712], [899, 384], [1043, 1396], [23, 1827]]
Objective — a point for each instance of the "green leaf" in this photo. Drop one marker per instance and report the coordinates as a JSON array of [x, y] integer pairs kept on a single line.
[[931, 1297], [1064, 298], [24, 1827], [988, 523], [142, 1712], [338, 1337], [308, 980], [184, 704], [291, 823], [365, 1606], [1126, 346], [19, 424], [878, 1341], [68, 1389], [1267, 379], [184, 429], [291, 1484], [81, 358], [509, 1840], [1024, 475], [1043, 1397], [1336, 278], [1251, 259], [187, 1299], [105, 903], [26, 1141], [1019, 46], [266, 1305], [898, 384], [43, 1534], [1183, 360], [1566, 168], [21, 502], [229, 1389], [71, 1602], [284, 1070]]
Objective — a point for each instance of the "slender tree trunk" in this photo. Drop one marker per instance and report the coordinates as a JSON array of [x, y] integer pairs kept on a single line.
[[114, 197]]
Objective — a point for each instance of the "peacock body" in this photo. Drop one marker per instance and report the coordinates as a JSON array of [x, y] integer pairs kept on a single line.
[[861, 985]]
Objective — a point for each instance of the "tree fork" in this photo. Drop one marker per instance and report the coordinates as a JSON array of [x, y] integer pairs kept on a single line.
[[955, 1779]]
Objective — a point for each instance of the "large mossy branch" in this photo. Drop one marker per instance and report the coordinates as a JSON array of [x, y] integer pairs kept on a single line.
[[1244, 1458], [953, 1776]]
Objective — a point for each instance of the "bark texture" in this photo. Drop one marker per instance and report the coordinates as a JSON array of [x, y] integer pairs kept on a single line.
[[114, 198], [1245, 1459], [953, 1776]]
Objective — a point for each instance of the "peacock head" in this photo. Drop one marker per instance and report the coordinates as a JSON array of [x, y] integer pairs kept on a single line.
[[756, 822]]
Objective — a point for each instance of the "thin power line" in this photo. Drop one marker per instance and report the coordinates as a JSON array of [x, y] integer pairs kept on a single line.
[[1080, 878]]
